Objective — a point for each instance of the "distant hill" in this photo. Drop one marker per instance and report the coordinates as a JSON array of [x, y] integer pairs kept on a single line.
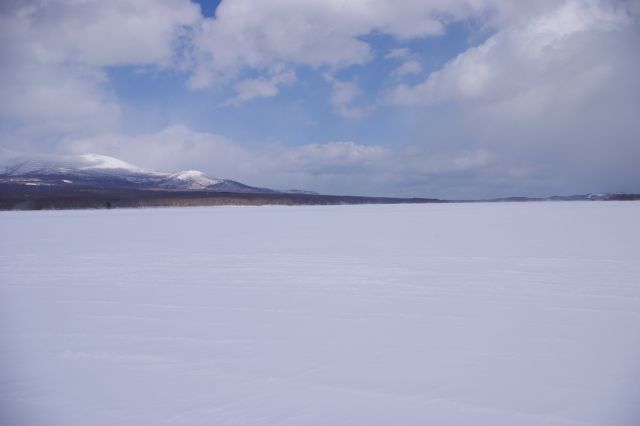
[[577, 197], [101, 171], [37, 181]]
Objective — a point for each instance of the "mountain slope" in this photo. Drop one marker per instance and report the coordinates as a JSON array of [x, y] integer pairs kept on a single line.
[[106, 172]]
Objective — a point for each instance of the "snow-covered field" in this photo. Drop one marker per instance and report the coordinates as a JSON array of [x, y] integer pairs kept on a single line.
[[457, 314]]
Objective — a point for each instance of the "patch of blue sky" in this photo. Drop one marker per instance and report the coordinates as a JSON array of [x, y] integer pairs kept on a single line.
[[208, 7], [301, 113]]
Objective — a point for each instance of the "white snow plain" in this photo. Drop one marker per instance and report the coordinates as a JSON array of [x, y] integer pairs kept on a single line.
[[438, 314]]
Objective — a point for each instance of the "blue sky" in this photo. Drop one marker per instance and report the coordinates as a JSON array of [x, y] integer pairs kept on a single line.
[[299, 114], [414, 98], [208, 8]]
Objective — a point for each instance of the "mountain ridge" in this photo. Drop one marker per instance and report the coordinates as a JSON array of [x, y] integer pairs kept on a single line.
[[107, 172], [42, 181]]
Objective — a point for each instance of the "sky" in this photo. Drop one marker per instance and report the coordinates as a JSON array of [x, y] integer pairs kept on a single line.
[[432, 98]]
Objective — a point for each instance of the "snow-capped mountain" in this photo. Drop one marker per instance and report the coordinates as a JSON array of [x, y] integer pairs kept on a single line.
[[104, 171], [193, 178]]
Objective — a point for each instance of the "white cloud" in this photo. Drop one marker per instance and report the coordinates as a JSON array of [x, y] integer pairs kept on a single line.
[[257, 33], [59, 101], [553, 92], [115, 32], [398, 53], [260, 87], [326, 35], [173, 148], [411, 67], [54, 52], [546, 49], [343, 94], [334, 156], [335, 167]]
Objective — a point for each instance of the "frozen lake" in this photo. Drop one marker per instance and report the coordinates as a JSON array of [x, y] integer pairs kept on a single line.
[[457, 314]]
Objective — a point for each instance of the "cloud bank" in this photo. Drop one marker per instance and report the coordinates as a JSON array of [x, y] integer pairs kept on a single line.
[[341, 167]]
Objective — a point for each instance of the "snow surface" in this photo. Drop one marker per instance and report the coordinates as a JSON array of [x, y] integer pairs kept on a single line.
[[195, 177], [456, 314], [97, 161], [16, 163]]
